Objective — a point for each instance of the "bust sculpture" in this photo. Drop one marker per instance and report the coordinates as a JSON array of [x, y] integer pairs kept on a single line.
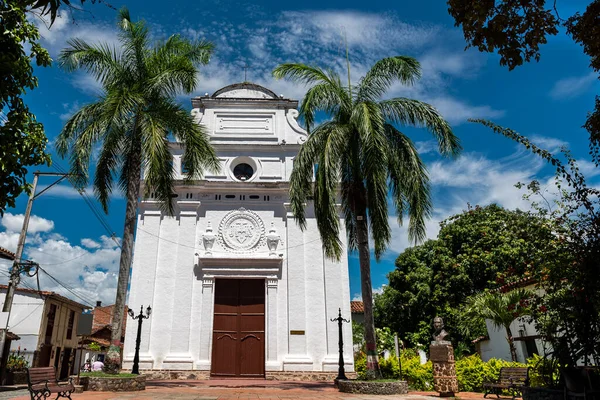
[[439, 333]]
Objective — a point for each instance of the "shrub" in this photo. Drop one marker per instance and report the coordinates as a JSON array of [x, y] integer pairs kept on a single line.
[[360, 365], [470, 373], [16, 363], [390, 369], [419, 377], [544, 372]]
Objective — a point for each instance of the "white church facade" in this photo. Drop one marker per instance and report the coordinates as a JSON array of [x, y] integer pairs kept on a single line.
[[236, 288]]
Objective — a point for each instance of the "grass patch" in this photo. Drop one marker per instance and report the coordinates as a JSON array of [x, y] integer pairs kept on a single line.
[[100, 374]]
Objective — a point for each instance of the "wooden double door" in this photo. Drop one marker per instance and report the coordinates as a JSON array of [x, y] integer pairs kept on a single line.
[[238, 347]]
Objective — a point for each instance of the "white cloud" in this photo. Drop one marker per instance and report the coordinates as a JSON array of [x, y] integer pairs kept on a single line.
[[573, 86], [70, 109], [548, 143], [428, 146], [14, 223], [476, 180], [299, 36], [86, 274], [457, 112], [588, 168], [55, 37], [90, 243], [377, 290]]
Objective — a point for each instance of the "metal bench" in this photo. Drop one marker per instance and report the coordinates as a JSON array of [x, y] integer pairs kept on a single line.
[[511, 379], [581, 383], [42, 383]]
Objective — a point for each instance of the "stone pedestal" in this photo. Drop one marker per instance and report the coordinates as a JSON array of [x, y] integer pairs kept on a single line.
[[444, 371]]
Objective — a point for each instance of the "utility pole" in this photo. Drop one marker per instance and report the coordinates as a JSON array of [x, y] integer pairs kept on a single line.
[[18, 265]]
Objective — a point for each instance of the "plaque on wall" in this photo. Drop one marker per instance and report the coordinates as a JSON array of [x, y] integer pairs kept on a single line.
[[296, 332]]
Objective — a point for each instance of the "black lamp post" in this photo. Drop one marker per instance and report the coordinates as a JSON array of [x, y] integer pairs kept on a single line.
[[341, 371], [140, 317]]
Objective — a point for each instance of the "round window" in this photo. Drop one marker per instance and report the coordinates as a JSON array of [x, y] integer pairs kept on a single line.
[[243, 172]]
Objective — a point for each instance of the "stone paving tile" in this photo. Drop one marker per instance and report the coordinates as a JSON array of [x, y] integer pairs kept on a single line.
[[232, 390]]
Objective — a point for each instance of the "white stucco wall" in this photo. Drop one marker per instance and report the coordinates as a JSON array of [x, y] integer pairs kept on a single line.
[[25, 318], [497, 345], [175, 274]]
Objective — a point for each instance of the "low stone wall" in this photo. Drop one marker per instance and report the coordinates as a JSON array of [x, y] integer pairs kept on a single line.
[[172, 375], [539, 393], [167, 375], [305, 376], [97, 384], [371, 387]]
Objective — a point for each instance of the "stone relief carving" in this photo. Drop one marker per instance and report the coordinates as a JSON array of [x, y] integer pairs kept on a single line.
[[292, 116], [208, 239], [241, 231]]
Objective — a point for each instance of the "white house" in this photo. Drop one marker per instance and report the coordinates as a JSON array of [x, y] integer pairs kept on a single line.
[[527, 340], [46, 323], [236, 288]]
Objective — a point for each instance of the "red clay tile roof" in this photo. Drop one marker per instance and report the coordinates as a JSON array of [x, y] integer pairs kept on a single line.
[[10, 335], [49, 294], [480, 339], [7, 254], [357, 307]]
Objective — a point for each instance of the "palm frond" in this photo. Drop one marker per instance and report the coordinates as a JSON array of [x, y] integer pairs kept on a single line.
[[108, 163], [173, 65], [369, 124], [326, 188], [305, 74], [158, 161], [100, 60], [322, 97], [384, 73], [77, 137], [416, 113], [199, 155], [409, 182]]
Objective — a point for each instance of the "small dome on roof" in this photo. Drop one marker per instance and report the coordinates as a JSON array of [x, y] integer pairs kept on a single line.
[[245, 90]]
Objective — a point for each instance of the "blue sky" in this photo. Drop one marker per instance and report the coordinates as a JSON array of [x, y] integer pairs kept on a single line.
[[546, 101]]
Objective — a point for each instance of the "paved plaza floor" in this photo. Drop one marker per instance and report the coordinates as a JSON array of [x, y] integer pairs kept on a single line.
[[237, 389]]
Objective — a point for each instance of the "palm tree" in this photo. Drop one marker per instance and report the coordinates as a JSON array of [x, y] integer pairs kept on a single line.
[[133, 120], [499, 308], [361, 157]]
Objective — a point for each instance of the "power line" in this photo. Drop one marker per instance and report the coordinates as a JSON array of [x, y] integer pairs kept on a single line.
[[85, 300], [92, 205], [71, 290]]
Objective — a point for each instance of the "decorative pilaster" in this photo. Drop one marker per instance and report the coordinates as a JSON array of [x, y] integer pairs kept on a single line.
[[208, 300], [179, 356], [272, 323]]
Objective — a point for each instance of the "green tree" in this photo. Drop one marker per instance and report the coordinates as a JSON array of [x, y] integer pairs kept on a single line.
[[133, 120], [567, 315], [22, 139], [361, 156], [477, 249], [517, 28], [501, 309]]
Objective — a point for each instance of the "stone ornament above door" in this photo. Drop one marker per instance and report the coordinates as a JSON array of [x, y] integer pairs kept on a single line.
[[241, 231]]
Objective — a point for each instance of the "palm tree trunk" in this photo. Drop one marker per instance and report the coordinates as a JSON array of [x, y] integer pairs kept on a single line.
[[113, 357], [364, 256], [511, 343]]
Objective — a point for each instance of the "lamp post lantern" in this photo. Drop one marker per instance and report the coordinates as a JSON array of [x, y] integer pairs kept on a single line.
[[140, 317], [341, 371]]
